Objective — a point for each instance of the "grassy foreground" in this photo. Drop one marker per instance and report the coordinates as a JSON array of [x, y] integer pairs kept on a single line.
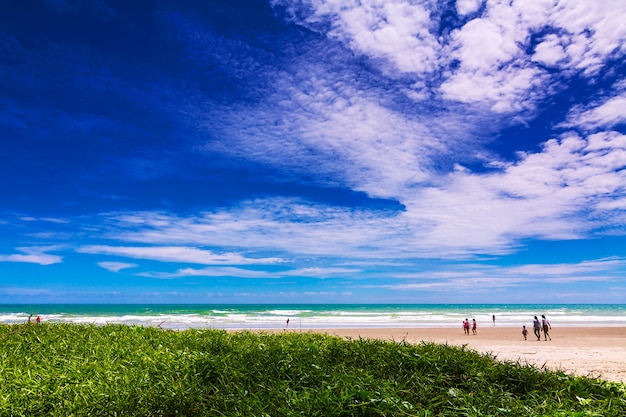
[[117, 370]]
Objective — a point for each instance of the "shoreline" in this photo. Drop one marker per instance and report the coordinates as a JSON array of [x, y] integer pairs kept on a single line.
[[596, 352]]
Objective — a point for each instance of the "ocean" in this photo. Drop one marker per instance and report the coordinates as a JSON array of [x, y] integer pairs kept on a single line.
[[316, 316]]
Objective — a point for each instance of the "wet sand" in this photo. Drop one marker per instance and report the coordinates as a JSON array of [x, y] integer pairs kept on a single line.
[[588, 351]]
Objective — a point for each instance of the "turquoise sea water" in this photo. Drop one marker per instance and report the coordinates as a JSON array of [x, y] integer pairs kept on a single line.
[[317, 316]]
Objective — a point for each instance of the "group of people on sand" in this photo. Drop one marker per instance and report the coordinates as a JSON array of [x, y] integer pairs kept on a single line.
[[538, 326], [37, 320], [466, 327]]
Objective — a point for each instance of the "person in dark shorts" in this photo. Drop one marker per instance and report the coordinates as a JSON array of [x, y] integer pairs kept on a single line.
[[537, 328], [545, 325], [525, 332]]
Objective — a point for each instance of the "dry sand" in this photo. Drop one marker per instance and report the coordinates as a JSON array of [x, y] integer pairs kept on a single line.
[[588, 351]]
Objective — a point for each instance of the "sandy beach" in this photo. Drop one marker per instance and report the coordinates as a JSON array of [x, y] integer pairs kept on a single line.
[[596, 352]]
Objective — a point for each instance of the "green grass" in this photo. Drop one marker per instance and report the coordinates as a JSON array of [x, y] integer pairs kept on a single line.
[[116, 370]]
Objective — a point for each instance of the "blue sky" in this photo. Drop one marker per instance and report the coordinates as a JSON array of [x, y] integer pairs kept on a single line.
[[309, 151]]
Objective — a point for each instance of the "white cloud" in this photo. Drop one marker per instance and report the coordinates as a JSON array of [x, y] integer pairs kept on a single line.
[[606, 114], [553, 194], [550, 51], [597, 31], [210, 272], [483, 44], [475, 284], [321, 272], [44, 219], [489, 50], [504, 91], [354, 139], [396, 30], [587, 270], [474, 276], [116, 266], [572, 188], [465, 7], [175, 254], [282, 224], [34, 254]]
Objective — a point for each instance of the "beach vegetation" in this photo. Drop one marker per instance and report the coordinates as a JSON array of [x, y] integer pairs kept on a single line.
[[53, 369]]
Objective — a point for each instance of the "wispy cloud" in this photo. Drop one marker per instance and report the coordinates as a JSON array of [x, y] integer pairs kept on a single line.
[[175, 254], [572, 188], [473, 276], [322, 272], [116, 266], [605, 114], [34, 254], [209, 272]]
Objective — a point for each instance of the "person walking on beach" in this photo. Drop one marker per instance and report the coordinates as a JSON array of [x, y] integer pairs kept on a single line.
[[474, 326], [536, 328], [545, 324], [524, 332], [493, 318], [466, 327]]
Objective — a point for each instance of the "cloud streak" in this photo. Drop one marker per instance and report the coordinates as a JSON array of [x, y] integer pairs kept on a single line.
[[35, 255], [116, 266], [176, 254]]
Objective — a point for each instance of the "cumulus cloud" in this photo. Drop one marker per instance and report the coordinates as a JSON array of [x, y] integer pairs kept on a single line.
[[572, 35], [554, 194], [465, 7], [550, 51], [504, 91], [398, 31]]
